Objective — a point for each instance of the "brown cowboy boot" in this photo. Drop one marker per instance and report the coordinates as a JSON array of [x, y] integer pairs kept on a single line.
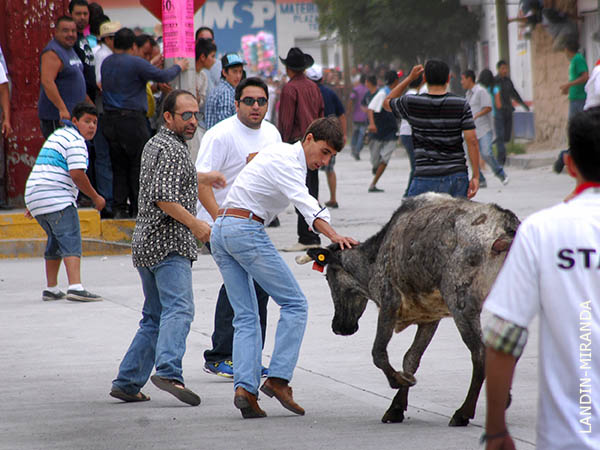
[[279, 388], [247, 403]]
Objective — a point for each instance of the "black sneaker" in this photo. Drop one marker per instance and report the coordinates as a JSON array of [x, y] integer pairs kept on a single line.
[[82, 296], [48, 296]]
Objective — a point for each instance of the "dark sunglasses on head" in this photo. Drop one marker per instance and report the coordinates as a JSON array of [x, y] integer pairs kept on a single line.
[[188, 115], [249, 101]]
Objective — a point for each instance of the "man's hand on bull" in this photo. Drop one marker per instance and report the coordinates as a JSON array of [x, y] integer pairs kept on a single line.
[[473, 187], [323, 227]]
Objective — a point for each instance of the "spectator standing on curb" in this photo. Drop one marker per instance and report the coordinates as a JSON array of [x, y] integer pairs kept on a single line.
[[359, 116], [205, 59], [61, 77], [438, 120], [575, 88], [80, 12], [227, 148], [163, 249], [124, 78], [51, 198], [4, 105], [383, 127], [551, 270], [332, 107], [503, 120], [220, 103], [300, 103], [481, 107]]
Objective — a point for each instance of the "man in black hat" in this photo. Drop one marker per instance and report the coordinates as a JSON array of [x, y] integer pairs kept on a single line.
[[301, 102]]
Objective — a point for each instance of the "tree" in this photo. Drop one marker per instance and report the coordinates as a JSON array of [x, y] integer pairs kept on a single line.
[[409, 30]]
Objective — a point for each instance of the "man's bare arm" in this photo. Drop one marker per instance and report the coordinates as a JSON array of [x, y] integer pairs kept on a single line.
[[51, 65], [402, 86], [5, 105], [207, 199], [473, 152]]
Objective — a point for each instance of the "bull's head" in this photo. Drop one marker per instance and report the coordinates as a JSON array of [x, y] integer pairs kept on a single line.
[[349, 295]]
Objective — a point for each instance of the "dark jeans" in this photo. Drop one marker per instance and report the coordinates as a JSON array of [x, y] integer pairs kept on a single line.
[[503, 121], [102, 166], [305, 236], [48, 126], [222, 337], [410, 150], [126, 133]]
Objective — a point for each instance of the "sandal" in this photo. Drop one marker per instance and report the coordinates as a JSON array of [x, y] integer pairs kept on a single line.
[[130, 398], [177, 389]]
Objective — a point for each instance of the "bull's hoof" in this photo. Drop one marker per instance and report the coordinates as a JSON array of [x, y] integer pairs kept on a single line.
[[458, 420], [393, 415], [402, 379]]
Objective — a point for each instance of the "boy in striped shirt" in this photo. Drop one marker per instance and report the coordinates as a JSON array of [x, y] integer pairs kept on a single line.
[[51, 198]]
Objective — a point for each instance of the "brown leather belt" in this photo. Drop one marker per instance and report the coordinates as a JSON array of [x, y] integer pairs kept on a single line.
[[240, 213]]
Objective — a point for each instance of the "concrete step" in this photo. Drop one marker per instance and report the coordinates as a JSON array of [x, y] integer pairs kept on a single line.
[[22, 238]]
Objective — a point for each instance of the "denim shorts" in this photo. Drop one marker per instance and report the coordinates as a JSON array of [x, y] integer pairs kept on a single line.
[[64, 235]]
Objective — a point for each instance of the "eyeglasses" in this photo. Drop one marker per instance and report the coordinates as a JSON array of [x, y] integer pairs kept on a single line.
[[188, 115], [249, 101]]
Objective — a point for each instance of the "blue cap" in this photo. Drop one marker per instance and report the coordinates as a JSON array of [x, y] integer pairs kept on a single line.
[[231, 59]]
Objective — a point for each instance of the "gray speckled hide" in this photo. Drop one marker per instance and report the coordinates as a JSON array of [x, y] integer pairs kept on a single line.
[[437, 257]]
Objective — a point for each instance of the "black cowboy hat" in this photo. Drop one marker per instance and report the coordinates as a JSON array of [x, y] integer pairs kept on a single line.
[[297, 60]]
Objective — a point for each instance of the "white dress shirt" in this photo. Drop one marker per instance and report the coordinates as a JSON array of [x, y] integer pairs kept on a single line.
[[273, 179], [101, 52], [592, 89], [225, 148]]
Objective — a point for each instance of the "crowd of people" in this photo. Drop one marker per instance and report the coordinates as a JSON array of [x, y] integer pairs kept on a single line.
[[217, 164]]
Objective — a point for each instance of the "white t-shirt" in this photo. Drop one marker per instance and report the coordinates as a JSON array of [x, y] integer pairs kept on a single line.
[[592, 89], [273, 179], [101, 52], [50, 187], [553, 269], [479, 98], [405, 128], [3, 77], [225, 148], [376, 103]]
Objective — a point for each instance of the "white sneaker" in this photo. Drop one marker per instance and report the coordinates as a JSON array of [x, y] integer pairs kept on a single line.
[[505, 180]]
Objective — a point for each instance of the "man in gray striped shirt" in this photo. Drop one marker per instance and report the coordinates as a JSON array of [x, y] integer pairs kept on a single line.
[[51, 198], [438, 120]]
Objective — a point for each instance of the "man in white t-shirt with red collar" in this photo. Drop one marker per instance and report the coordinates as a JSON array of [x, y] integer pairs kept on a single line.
[[552, 270], [227, 147]]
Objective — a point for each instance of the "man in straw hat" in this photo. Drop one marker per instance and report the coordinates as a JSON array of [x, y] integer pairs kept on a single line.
[[301, 102]]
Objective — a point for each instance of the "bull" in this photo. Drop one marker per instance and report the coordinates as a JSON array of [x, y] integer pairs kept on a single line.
[[437, 257]]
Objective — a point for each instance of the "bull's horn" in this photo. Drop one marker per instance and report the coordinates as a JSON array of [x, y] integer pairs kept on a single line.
[[303, 259]]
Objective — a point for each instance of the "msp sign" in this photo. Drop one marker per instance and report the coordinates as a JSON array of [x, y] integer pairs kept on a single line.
[[234, 19], [178, 28]]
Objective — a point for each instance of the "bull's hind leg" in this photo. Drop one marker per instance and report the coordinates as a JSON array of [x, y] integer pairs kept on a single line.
[[470, 331], [412, 359], [385, 330]]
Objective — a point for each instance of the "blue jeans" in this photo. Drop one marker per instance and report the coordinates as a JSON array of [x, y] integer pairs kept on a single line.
[[456, 184], [102, 166], [575, 106], [64, 234], [485, 148], [407, 141], [167, 314], [358, 137], [244, 253]]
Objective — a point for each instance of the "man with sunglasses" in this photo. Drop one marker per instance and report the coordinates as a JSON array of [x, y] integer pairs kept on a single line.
[[228, 147], [163, 249]]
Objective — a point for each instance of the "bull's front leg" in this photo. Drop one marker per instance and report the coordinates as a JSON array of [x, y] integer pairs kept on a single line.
[[385, 329]]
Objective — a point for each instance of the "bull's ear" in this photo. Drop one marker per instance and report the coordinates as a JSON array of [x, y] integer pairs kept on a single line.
[[321, 256], [502, 244]]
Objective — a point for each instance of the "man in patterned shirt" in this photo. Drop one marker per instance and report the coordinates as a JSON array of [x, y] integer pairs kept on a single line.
[[220, 103], [163, 249]]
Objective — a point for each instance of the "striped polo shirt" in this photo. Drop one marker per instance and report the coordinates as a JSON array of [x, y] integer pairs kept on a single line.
[[437, 123], [49, 187]]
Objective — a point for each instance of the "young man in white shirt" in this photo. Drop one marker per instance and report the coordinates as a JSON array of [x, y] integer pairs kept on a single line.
[[552, 269], [227, 147], [244, 253]]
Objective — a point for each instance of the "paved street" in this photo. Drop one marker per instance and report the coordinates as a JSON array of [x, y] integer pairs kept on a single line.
[[58, 358]]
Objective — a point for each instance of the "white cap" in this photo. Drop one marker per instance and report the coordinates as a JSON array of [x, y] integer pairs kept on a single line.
[[315, 72]]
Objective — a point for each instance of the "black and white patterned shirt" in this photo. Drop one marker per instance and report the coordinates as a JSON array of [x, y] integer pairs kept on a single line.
[[167, 174]]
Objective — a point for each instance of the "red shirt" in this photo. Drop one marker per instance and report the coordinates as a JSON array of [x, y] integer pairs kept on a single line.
[[300, 103]]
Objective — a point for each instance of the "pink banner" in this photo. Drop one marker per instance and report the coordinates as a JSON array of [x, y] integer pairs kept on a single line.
[[178, 28]]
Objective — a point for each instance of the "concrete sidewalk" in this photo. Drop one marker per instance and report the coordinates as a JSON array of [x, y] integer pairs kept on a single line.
[[59, 357]]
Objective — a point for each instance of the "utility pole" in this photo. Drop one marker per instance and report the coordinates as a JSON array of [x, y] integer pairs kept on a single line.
[[502, 30]]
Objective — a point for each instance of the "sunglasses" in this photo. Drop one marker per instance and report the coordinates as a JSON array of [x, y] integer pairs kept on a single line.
[[249, 101], [188, 115]]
